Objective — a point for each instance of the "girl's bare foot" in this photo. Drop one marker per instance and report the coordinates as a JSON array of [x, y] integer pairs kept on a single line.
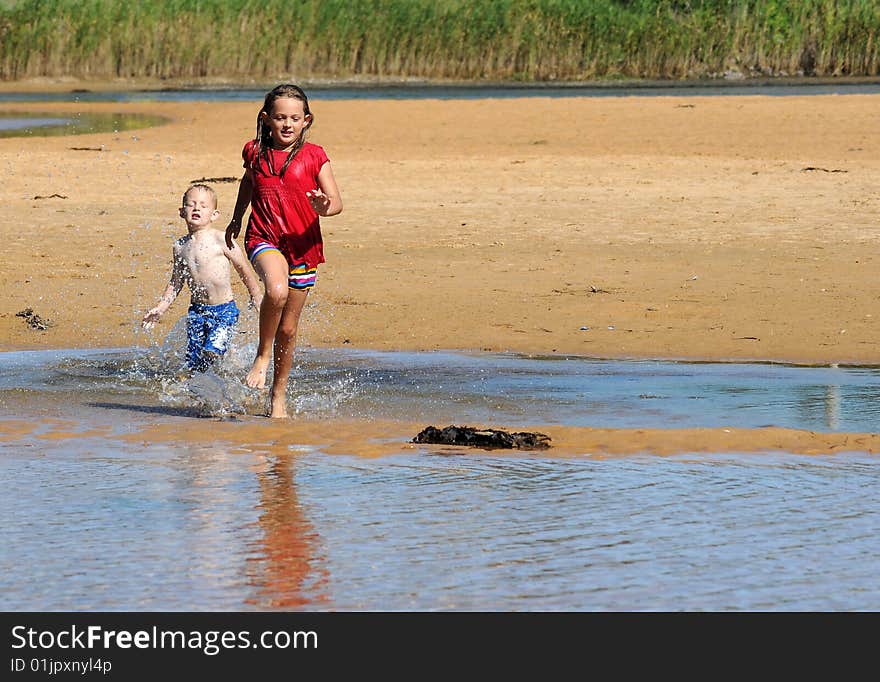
[[256, 377], [279, 408]]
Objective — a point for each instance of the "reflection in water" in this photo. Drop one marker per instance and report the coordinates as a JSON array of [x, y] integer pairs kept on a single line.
[[832, 406], [285, 558]]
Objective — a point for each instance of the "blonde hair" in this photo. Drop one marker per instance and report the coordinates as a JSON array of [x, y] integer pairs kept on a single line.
[[207, 188]]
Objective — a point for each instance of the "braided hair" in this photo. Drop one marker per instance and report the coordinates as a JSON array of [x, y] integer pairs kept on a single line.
[[264, 136]]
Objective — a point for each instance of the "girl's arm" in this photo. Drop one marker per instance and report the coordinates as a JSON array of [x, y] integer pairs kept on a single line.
[[170, 293], [246, 272], [245, 190], [326, 199]]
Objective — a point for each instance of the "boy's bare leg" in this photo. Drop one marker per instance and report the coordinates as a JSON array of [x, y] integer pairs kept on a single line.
[[273, 270], [285, 345]]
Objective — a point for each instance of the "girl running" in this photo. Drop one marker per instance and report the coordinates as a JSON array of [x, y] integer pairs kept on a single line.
[[288, 184]]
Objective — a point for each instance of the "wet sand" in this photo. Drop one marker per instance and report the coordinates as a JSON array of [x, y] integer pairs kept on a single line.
[[726, 228], [383, 438], [379, 439]]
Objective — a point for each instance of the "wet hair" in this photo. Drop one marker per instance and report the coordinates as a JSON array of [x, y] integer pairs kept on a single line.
[[207, 188], [264, 136]]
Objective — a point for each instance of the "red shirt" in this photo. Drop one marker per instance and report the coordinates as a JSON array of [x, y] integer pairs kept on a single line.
[[281, 214]]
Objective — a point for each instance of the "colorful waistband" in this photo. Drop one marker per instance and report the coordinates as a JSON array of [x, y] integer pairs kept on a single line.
[[261, 248], [301, 276]]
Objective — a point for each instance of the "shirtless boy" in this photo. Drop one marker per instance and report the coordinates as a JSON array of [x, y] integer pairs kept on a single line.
[[201, 260]]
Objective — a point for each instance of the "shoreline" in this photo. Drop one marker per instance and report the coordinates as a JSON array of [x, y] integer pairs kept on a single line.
[[617, 228], [74, 84], [38, 346]]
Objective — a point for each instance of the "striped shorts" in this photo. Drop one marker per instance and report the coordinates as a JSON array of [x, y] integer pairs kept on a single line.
[[301, 276]]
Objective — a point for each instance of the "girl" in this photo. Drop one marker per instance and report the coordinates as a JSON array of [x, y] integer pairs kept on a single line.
[[288, 183]]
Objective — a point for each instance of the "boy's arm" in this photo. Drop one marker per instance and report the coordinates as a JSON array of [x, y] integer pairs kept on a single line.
[[170, 293], [246, 272], [326, 199], [245, 190]]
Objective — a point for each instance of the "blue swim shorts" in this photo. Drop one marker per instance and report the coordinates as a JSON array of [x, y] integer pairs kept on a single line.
[[209, 330]]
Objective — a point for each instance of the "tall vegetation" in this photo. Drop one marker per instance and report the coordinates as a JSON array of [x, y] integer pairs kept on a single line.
[[443, 39]]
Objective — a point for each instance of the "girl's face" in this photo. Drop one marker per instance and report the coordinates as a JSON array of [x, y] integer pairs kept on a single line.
[[286, 122]]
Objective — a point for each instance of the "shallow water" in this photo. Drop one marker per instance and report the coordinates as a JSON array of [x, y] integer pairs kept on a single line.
[[25, 124], [417, 90], [98, 517], [442, 386], [26, 121]]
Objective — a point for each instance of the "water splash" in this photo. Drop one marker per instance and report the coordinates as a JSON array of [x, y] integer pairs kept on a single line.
[[475, 389], [311, 391], [220, 391]]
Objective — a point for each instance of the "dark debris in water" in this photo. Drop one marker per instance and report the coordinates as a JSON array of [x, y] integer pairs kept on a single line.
[[34, 321], [483, 438]]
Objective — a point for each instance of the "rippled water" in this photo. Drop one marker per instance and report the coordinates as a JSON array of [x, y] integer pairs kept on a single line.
[[99, 517], [443, 386]]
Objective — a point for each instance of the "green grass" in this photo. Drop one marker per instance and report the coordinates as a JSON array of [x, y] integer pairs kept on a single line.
[[439, 39]]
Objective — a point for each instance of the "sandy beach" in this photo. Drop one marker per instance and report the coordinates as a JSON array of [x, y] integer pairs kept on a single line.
[[710, 228]]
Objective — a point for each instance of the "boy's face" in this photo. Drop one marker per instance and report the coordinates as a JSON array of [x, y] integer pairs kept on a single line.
[[199, 208]]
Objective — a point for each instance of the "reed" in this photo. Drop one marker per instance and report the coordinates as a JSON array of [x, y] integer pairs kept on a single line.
[[527, 40]]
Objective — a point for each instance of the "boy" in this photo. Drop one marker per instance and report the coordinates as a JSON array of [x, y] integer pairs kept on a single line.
[[201, 259]]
